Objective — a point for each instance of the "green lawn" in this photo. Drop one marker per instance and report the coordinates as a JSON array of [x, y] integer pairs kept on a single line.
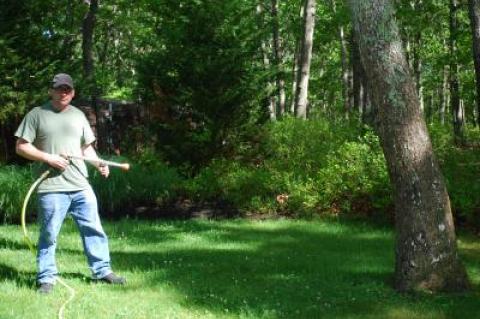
[[230, 269]]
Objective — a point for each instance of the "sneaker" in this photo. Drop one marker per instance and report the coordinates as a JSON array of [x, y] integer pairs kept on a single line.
[[113, 279], [45, 288]]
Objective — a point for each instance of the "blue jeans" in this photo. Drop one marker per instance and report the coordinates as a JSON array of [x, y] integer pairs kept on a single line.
[[82, 205]]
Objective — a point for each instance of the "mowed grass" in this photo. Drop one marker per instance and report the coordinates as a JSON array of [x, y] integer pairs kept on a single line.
[[230, 269]]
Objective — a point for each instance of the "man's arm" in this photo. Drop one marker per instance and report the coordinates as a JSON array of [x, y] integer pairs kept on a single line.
[[27, 150], [89, 152]]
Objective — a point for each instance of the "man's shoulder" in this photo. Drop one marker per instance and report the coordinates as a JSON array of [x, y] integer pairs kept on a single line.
[[76, 110], [36, 110]]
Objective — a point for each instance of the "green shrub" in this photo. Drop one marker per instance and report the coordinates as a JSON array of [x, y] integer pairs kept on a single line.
[[242, 185], [303, 167], [14, 184], [460, 167], [148, 182]]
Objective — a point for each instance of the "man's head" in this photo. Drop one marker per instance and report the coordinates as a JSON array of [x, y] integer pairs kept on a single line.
[[61, 91]]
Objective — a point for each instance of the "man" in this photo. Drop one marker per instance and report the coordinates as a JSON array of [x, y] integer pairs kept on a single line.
[[46, 135]]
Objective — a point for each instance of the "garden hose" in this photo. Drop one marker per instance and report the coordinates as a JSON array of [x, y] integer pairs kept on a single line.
[[26, 237], [31, 246]]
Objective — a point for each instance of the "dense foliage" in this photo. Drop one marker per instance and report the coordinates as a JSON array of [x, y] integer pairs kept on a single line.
[[205, 72], [344, 173]]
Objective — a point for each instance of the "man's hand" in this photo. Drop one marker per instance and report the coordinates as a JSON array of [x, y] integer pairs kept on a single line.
[[56, 161], [104, 170], [26, 149]]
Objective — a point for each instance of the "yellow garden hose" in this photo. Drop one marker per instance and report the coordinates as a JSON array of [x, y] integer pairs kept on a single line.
[[31, 245], [24, 209]]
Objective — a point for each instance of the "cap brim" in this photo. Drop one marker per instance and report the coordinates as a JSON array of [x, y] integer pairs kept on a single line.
[[56, 85]]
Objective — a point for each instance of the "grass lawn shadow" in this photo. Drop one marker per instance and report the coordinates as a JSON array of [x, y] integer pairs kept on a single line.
[[279, 271]]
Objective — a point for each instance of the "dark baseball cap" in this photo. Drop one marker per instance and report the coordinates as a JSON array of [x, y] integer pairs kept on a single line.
[[62, 79]]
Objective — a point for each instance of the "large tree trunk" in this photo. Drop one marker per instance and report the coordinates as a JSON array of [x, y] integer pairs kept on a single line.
[[457, 112], [426, 252], [301, 96], [474, 11], [278, 58]]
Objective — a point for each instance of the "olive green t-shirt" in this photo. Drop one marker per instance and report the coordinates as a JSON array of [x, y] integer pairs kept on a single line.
[[58, 133]]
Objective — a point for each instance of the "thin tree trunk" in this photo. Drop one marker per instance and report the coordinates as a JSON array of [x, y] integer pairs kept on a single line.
[[474, 13], [295, 70], [5, 143], [345, 68], [278, 58], [426, 252], [88, 28], [458, 120], [68, 39], [301, 97], [417, 68], [296, 63], [266, 63], [358, 75], [444, 95]]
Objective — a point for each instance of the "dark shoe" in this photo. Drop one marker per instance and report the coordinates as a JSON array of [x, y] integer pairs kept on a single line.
[[113, 279], [45, 288]]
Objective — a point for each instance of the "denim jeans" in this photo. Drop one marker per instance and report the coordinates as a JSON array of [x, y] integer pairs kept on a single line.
[[82, 205]]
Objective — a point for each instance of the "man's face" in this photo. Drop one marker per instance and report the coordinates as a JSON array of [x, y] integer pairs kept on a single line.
[[62, 95]]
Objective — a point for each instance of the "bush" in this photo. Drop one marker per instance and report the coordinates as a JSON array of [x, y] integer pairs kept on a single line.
[[148, 182], [330, 168], [243, 186], [302, 167], [460, 167], [14, 184]]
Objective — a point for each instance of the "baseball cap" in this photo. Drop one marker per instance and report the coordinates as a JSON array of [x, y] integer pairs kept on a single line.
[[62, 79]]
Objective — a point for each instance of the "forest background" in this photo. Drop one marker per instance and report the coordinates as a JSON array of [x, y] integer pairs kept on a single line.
[[240, 107]]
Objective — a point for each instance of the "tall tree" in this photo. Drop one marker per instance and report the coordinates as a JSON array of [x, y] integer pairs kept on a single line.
[[296, 63], [266, 62], [301, 96], [346, 74], [88, 28], [456, 107], [426, 252], [278, 57], [474, 13]]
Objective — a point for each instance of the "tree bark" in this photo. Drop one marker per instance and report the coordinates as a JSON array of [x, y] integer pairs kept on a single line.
[[296, 63], [68, 41], [266, 63], [345, 68], [4, 143], [301, 96], [457, 112], [426, 252], [358, 75], [443, 95], [88, 27], [474, 13], [417, 68], [278, 58]]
